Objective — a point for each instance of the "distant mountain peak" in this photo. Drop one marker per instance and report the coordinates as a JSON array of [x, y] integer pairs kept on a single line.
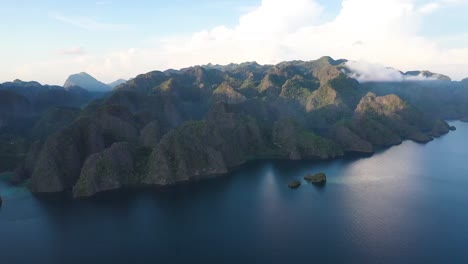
[[331, 61], [116, 83], [249, 63], [427, 75], [87, 82], [85, 74], [30, 83]]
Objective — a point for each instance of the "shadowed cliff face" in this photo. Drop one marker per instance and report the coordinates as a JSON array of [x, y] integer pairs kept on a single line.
[[387, 120], [439, 99], [42, 97], [30, 112], [163, 128], [60, 161], [110, 169]]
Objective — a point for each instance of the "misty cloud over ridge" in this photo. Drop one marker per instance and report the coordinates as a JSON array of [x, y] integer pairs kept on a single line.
[[372, 72]]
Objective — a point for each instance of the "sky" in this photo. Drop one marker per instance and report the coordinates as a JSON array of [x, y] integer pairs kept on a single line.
[[49, 40]]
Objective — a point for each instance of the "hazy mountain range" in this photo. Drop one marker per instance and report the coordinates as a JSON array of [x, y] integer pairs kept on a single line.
[[89, 83], [116, 83], [163, 128]]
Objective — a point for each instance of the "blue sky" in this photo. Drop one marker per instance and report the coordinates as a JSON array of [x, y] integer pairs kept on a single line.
[[49, 40], [44, 23]]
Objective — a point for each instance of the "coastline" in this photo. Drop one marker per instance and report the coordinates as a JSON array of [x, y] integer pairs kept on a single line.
[[347, 155]]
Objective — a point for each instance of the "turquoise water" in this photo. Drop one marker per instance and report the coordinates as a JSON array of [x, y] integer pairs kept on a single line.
[[407, 204]]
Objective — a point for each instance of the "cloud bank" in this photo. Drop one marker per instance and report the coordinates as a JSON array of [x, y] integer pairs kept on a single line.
[[372, 72], [381, 32]]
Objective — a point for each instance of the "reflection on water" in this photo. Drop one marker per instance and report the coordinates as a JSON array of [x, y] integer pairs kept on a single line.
[[404, 204]]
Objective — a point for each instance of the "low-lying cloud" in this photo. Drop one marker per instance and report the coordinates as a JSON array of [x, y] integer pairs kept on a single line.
[[372, 72], [369, 72]]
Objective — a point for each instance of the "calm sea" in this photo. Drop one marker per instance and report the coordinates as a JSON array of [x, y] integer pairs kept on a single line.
[[406, 204]]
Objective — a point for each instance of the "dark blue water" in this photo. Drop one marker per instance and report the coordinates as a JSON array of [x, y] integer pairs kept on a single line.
[[408, 204]]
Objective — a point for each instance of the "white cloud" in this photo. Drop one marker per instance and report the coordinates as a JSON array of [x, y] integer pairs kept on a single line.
[[429, 8], [383, 32], [386, 31], [455, 1], [368, 72], [371, 72], [258, 35]]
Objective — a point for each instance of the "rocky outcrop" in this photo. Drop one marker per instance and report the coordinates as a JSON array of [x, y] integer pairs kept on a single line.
[[60, 160], [184, 154], [375, 105], [236, 135], [298, 143], [270, 85], [294, 184], [107, 170], [87, 82], [388, 120], [349, 140], [204, 147], [225, 93], [318, 178], [151, 134]]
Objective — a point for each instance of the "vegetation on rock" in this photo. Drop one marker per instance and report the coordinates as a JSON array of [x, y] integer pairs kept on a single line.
[[318, 178], [163, 128], [294, 184]]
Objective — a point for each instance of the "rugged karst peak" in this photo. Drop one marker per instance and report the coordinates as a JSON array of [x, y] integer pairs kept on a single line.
[[87, 82]]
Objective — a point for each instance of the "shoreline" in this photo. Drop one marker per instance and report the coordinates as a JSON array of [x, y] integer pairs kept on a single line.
[[347, 155]]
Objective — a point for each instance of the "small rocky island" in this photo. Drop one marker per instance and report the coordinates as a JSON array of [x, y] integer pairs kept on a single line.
[[294, 184], [1, 201], [318, 178]]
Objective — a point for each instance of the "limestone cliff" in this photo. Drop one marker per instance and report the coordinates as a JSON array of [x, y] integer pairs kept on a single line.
[[107, 170], [163, 128]]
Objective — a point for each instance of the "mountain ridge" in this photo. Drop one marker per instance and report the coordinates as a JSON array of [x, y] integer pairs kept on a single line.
[[163, 128], [87, 82], [116, 83], [198, 121]]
